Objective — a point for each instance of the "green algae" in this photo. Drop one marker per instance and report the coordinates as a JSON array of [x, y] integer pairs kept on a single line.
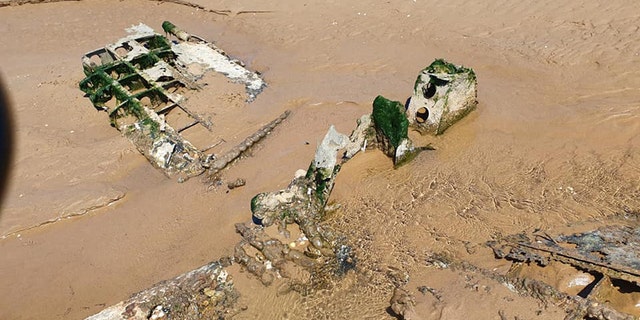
[[157, 43], [255, 202], [322, 179], [442, 66], [389, 117], [168, 27]]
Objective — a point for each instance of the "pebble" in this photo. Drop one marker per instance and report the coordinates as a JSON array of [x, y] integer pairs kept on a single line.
[[236, 184], [209, 292], [158, 313]]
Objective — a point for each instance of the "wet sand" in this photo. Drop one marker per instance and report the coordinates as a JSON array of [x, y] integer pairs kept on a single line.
[[554, 141]]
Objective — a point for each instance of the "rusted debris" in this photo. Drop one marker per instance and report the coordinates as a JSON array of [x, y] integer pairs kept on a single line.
[[610, 250], [303, 202]]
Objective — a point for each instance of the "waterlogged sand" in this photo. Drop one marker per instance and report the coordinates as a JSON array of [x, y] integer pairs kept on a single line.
[[554, 142]]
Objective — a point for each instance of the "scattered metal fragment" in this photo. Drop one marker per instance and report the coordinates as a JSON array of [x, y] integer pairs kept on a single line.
[[611, 250], [138, 81], [613, 245]]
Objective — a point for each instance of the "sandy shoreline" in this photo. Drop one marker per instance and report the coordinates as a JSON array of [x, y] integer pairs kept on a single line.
[[559, 106]]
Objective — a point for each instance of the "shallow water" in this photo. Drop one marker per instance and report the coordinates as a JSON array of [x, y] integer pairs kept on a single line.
[[554, 141]]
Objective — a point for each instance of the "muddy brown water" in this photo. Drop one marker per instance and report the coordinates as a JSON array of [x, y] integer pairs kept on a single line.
[[554, 142]]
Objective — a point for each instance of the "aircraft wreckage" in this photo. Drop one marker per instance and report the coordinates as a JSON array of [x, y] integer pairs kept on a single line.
[[207, 292], [138, 81]]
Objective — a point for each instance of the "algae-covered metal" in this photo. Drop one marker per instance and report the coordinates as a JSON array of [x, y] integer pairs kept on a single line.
[[392, 128], [139, 81], [443, 94]]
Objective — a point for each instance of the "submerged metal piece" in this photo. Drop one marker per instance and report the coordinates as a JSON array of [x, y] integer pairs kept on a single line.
[[139, 81]]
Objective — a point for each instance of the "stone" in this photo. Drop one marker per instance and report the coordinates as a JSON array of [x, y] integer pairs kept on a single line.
[[443, 94], [403, 304], [236, 183]]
